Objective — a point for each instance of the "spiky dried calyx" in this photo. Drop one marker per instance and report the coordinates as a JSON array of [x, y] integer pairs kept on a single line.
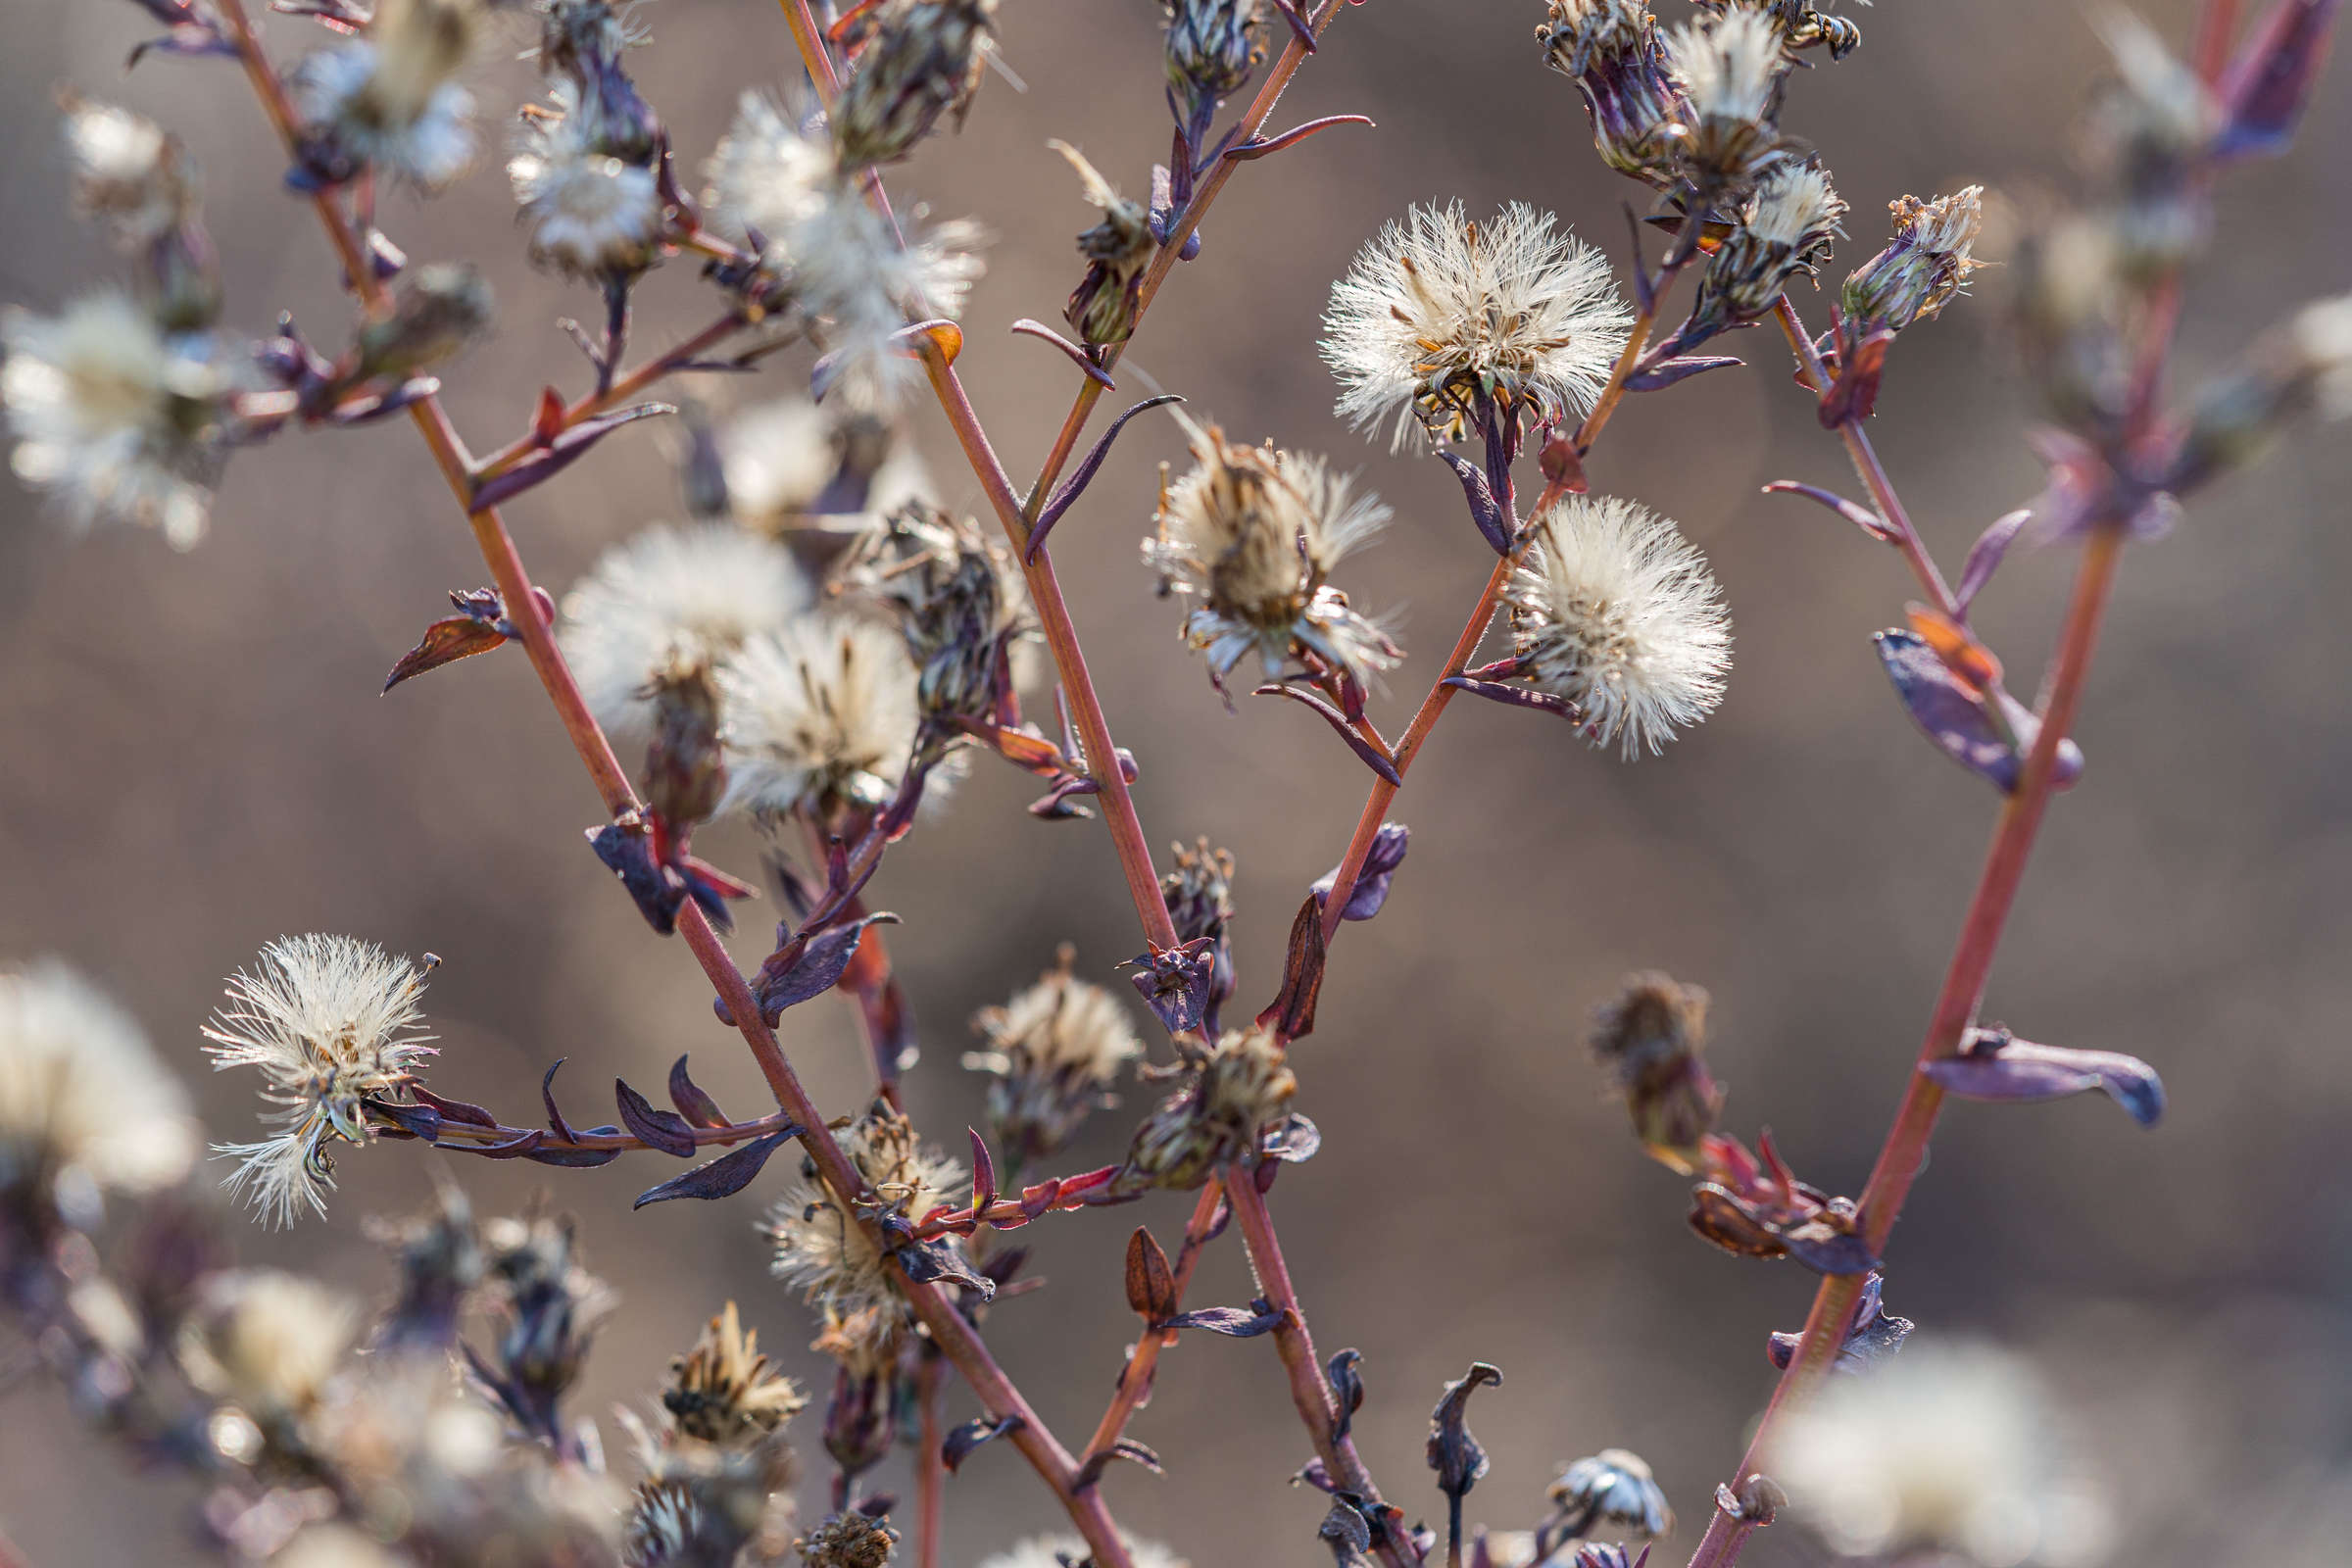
[[723, 1391], [847, 1541]]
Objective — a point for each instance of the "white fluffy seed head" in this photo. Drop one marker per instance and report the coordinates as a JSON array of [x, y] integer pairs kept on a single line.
[[1438, 312], [1055, 1050], [267, 1342], [1051, 1552], [820, 716], [327, 1021], [81, 1091], [668, 595], [1728, 63], [820, 1248], [389, 99], [1615, 612], [126, 171], [771, 169], [588, 214]]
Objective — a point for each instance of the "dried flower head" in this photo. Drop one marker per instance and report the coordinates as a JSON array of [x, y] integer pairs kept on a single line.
[[117, 420], [437, 312], [2154, 124], [1212, 47], [826, 1253], [1927, 263], [589, 214], [1615, 612], [1651, 1038], [700, 1507], [1250, 534], [918, 59], [548, 1307], [1611, 1489], [328, 1022], [1612, 51], [1947, 1448], [1215, 1117], [959, 601], [267, 1342], [83, 1099], [669, 592], [1069, 1551], [1441, 323], [1730, 64], [821, 719], [849, 1539], [388, 100], [724, 1392], [1785, 232], [1103, 307], [128, 174], [1054, 1052]]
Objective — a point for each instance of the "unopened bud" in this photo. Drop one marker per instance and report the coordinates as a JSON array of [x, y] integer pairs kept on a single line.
[[1243, 1084], [921, 59], [1212, 47], [1612, 51], [436, 313], [1928, 261], [1650, 1038]]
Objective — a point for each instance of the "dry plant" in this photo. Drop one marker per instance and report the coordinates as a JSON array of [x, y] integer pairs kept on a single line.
[[823, 649]]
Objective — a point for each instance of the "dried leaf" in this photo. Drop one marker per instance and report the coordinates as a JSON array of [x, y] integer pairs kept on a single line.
[[928, 1262], [452, 1109], [1174, 982], [1348, 1388], [983, 1172], [657, 1129], [1388, 844], [1994, 1065], [1453, 1453], [1126, 1448], [959, 1444], [1294, 1140], [1234, 1322], [1660, 376], [625, 846], [697, 1107], [1293, 1013], [812, 971], [1876, 1336], [445, 642], [1150, 1282], [1485, 511], [1959, 720], [722, 1177]]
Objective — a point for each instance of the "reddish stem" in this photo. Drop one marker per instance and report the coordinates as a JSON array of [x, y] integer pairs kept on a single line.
[[930, 1469], [620, 391], [1143, 1361]]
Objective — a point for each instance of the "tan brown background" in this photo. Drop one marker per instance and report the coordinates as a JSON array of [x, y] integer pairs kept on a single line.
[[195, 760]]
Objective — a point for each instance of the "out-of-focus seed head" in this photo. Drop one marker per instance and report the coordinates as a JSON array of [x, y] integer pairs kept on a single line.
[[793, 465], [589, 213], [2153, 128], [724, 1392], [1615, 612], [1212, 47], [1059, 1551], [1441, 323], [2071, 293], [1103, 307], [684, 775], [823, 1251], [436, 313], [1785, 232], [2305, 363], [1652, 1038], [1054, 1052], [1613, 1489], [548, 1309], [920, 59], [441, 1261], [1250, 534], [268, 1343], [1927, 263], [1731, 67], [1241, 1083], [847, 1541], [701, 1505], [580, 46], [821, 719], [959, 601], [329, 1023], [1612, 51], [389, 100], [128, 174]]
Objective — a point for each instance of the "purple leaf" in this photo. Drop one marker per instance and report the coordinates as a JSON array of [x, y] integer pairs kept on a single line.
[[1658, 377], [1260, 146], [1956, 718], [1294, 1140], [1028, 328], [722, 1177], [517, 1147], [657, 1129], [1174, 982], [1985, 556], [1485, 511], [812, 970], [1234, 1322], [559, 455], [2263, 92], [958, 1445], [452, 1109], [1876, 1336], [928, 1262], [1389, 844], [409, 1121], [1098, 1461], [1859, 515], [1083, 475], [695, 1106], [626, 849], [983, 1172], [1825, 1249], [547, 1098], [575, 1159], [1995, 1065], [1373, 758]]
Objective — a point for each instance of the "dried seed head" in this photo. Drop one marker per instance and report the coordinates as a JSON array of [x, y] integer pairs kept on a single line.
[[267, 1342], [821, 719], [1064, 1552], [1612, 51], [441, 1261], [82, 1097], [1212, 47], [1441, 320], [1785, 232], [388, 100], [792, 464], [330, 1022], [1251, 534], [920, 59], [1731, 67], [684, 777], [580, 48], [669, 594], [847, 1541], [1102, 308], [2154, 125], [128, 174], [724, 1392], [589, 213], [701, 1505], [549, 1307], [1652, 1038], [1613, 1489], [959, 601], [824, 1251], [1244, 1083], [1055, 1050], [436, 313], [117, 419], [1928, 261], [1615, 612]]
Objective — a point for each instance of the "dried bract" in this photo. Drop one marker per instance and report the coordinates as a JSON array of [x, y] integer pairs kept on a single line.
[[330, 1022], [1613, 1489], [1227, 1098], [1055, 1050], [1250, 534], [920, 59], [724, 1392], [1441, 323], [1616, 613], [821, 719]]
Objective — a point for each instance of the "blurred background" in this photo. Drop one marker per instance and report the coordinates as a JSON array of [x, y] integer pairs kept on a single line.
[[196, 760]]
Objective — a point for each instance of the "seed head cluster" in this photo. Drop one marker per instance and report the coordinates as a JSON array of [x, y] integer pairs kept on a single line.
[[1054, 1052], [823, 1251]]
